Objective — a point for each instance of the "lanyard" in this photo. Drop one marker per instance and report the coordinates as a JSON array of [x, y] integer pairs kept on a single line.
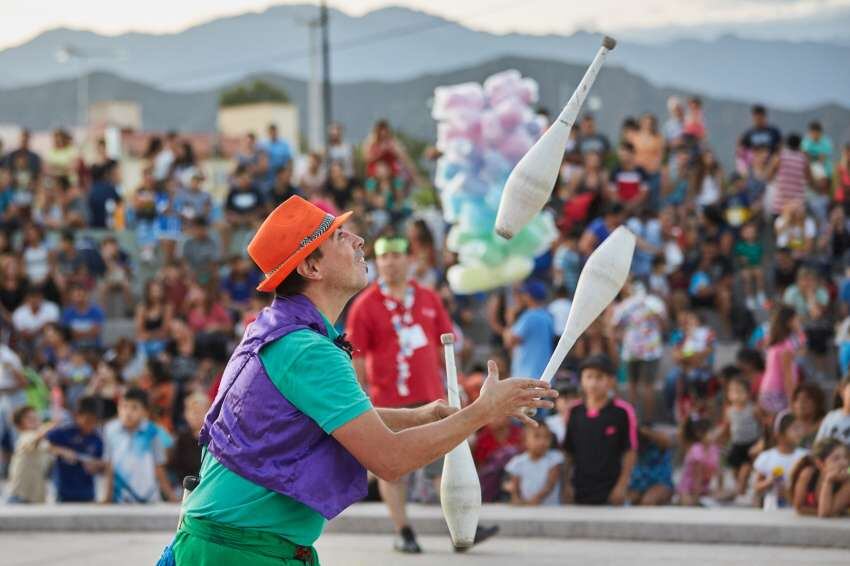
[[401, 322]]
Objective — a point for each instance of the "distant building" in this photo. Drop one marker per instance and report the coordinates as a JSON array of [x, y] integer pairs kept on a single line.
[[122, 114], [255, 118]]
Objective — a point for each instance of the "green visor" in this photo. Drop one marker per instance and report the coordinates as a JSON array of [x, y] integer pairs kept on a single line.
[[390, 245]]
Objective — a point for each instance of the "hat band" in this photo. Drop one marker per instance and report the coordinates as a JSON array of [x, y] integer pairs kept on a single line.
[[323, 227]]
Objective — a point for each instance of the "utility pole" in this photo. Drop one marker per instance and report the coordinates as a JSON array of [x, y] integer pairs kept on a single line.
[[326, 68]]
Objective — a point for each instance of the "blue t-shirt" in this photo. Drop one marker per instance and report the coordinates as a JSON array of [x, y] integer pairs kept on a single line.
[[599, 229], [279, 153], [73, 482], [242, 290], [82, 321], [535, 327]]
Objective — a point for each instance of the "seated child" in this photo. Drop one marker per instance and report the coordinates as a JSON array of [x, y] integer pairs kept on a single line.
[[820, 483], [702, 462], [773, 466], [652, 478], [30, 460], [536, 473]]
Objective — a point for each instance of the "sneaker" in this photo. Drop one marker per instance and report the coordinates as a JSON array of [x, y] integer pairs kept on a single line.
[[481, 534], [406, 542]]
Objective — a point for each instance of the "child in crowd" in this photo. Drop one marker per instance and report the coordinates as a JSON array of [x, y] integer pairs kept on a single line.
[[31, 459], [820, 481], [659, 285], [536, 473], [836, 423], [79, 449], [808, 406], [773, 467], [748, 253], [743, 428], [601, 439], [701, 464], [568, 394], [136, 455], [567, 262], [493, 447], [652, 478]]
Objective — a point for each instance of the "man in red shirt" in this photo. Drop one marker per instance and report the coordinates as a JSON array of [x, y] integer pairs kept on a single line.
[[395, 326]]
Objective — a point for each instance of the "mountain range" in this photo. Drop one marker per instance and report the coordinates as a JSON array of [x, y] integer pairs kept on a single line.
[[405, 103], [397, 44]]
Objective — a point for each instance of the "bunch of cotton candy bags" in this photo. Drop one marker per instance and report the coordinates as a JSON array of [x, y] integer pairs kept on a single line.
[[482, 132]]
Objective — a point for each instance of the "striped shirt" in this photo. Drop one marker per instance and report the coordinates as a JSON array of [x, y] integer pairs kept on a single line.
[[790, 180]]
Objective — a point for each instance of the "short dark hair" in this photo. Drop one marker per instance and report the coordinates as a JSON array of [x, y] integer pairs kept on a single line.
[[793, 141], [758, 109], [138, 395], [295, 284], [752, 357], [815, 126], [20, 413], [87, 406], [627, 146]]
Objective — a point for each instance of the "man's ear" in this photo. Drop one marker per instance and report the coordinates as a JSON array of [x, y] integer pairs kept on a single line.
[[308, 270]]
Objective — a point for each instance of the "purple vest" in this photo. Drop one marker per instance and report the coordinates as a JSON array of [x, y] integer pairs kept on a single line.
[[257, 433]]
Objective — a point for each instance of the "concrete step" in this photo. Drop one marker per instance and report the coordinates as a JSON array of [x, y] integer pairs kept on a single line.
[[661, 524]]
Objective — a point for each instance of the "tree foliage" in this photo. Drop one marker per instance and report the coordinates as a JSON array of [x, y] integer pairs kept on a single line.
[[257, 91]]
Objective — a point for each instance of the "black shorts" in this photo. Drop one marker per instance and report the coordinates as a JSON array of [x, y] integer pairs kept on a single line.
[[642, 370], [739, 454]]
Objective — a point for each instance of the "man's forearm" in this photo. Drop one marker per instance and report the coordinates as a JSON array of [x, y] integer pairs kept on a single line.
[[628, 464], [423, 444], [401, 419]]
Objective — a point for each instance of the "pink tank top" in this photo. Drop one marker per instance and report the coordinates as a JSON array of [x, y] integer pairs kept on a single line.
[[774, 378]]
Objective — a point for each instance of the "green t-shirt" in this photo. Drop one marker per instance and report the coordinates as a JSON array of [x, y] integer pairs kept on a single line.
[[317, 377]]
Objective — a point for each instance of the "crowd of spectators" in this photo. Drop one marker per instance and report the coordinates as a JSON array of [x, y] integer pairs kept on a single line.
[[119, 307]]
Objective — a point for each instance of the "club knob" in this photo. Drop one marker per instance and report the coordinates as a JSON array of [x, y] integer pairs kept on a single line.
[[609, 42]]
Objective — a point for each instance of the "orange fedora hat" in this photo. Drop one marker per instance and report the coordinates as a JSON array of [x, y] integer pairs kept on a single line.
[[288, 235]]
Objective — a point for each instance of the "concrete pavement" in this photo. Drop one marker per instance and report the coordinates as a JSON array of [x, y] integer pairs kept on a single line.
[[723, 525], [142, 549]]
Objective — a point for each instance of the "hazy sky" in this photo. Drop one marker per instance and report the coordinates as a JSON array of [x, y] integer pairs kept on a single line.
[[22, 19]]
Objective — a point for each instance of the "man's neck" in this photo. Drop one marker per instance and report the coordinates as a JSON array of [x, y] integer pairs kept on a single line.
[[328, 303], [397, 288], [596, 403]]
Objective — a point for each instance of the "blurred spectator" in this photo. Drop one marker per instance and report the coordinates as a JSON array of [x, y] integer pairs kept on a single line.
[[153, 318], [674, 126], [589, 140], [423, 254], [193, 201], [23, 164], [31, 459], [748, 254], [83, 318], [649, 155], [585, 192], [640, 318], [808, 406], [30, 318], [790, 175], [701, 466], [694, 120], [601, 439], [262, 174], [283, 187], [708, 180], [240, 282], [598, 230], [200, 251], [535, 475], [568, 394], [773, 467], [529, 339], [79, 449], [314, 176], [382, 147], [102, 164], [339, 151], [249, 152], [628, 184], [566, 264], [63, 159], [184, 458], [277, 149], [761, 135], [810, 300], [842, 177], [742, 426], [781, 373], [136, 456], [104, 197], [820, 481], [114, 291], [36, 256], [339, 186], [163, 157], [494, 446], [836, 424], [818, 148], [689, 384], [652, 477]]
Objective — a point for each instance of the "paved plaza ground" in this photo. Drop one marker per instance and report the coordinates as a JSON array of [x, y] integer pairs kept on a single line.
[[142, 549]]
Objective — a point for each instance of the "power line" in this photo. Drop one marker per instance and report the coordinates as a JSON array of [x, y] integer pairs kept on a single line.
[[348, 44]]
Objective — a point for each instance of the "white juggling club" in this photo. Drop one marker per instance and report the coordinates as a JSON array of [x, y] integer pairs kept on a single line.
[[603, 275], [532, 180], [460, 491]]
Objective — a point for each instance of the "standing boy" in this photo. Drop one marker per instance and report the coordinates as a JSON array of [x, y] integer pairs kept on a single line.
[[601, 439]]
